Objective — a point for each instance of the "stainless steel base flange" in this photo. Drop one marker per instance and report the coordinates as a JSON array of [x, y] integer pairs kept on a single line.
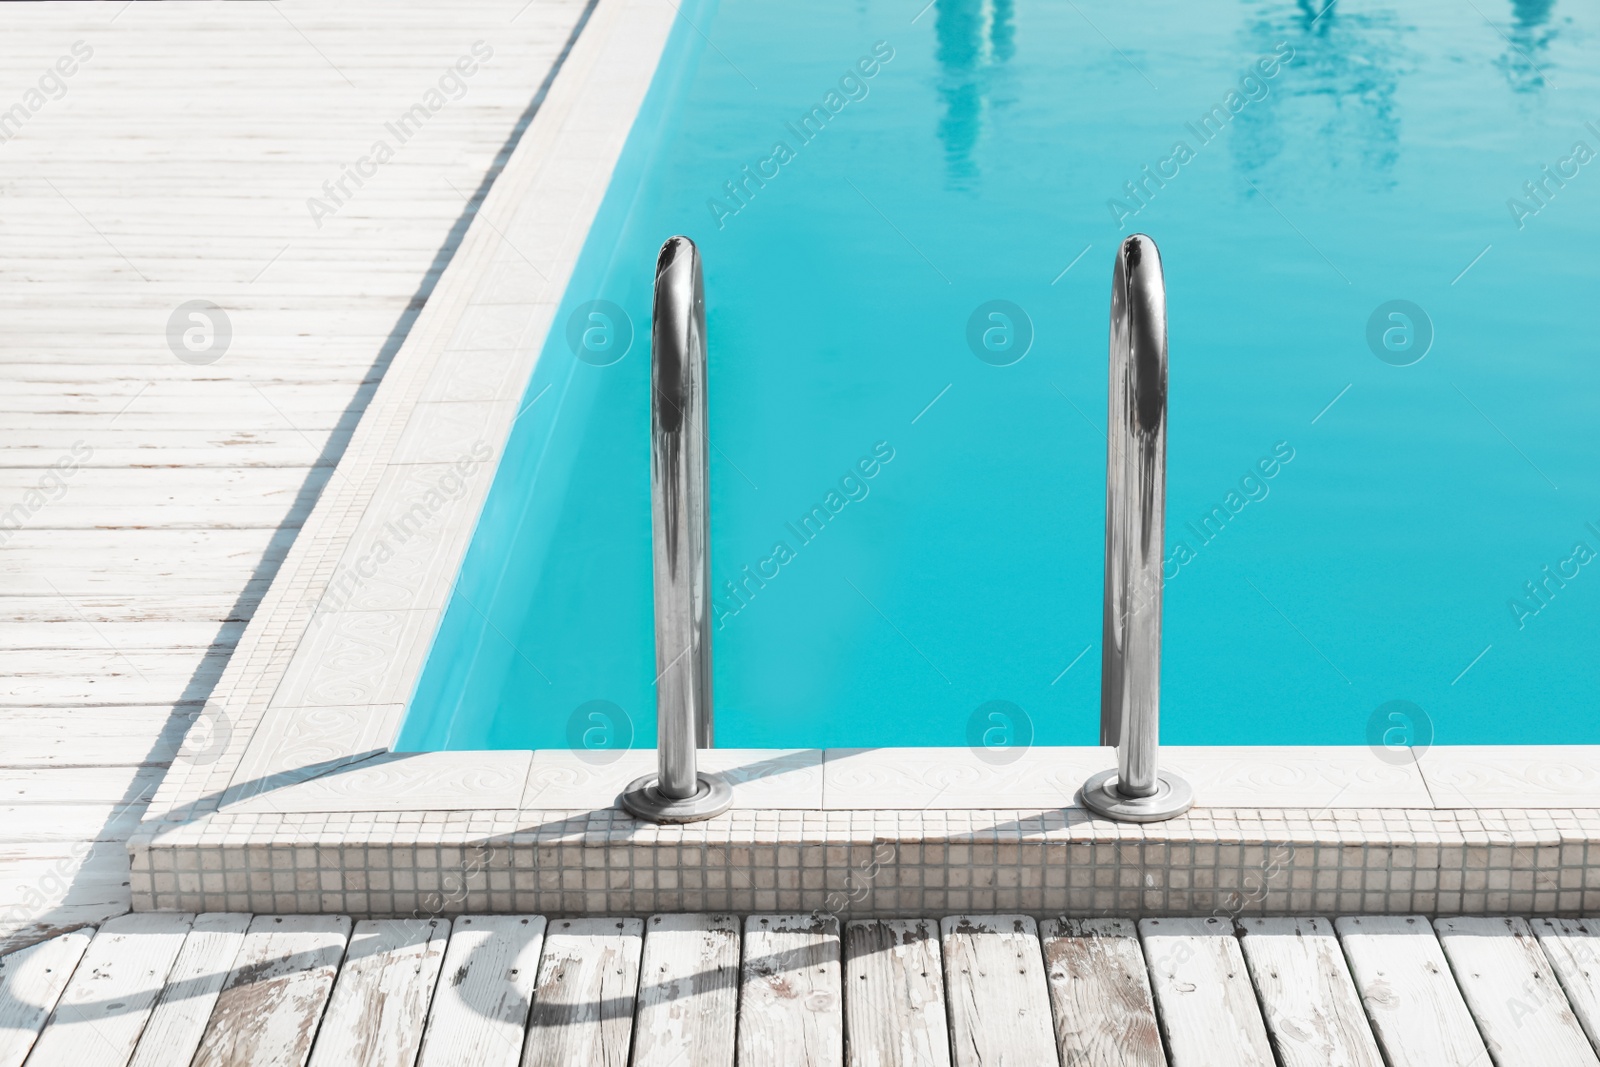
[[1173, 797], [643, 799]]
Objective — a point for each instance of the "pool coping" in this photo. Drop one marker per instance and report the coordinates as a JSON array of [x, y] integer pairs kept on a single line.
[[287, 795]]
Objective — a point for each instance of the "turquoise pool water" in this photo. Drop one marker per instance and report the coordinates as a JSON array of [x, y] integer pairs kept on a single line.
[[1384, 464]]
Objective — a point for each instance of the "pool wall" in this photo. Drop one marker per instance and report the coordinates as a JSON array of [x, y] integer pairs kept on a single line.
[[293, 800]]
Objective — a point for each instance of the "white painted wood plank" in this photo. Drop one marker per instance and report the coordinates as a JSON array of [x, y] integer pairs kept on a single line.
[[587, 993], [791, 1007], [688, 991], [1416, 1011], [119, 620], [268, 1010], [178, 1020], [149, 497], [75, 361], [69, 827], [60, 885], [996, 991], [172, 397], [101, 675], [117, 447], [237, 418], [480, 1006], [366, 316], [31, 982], [1100, 992], [1514, 995], [79, 736], [41, 787], [379, 1004], [153, 549], [80, 513], [1313, 1012], [104, 1008], [894, 994], [1573, 948], [1204, 1001], [217, 605], [97, 579]]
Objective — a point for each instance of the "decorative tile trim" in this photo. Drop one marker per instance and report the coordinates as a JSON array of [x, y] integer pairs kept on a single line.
[[865, 863], [415, 781], [1227, 777], [355, 657], [762, 779], [301, 807], [1513, 776], [1230, 777], [313, 741]]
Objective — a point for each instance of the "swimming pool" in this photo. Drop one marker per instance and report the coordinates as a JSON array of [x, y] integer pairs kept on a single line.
[[1383, 491]]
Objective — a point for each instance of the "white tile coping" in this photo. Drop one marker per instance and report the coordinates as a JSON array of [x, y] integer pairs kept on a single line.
[[921, 779], [301, 723]]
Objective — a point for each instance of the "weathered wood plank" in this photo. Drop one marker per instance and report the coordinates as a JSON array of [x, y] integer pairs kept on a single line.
[[379, 1004], [105, 579], [57, 677], [995, 987], [147, 551], [894, 994], [1411, 998], [118, 447], [1104, 1013], [268, 1010], [587, 993], [1513, 993], [80, 826], [171, 397], [217, 605], [1313, 1012], [104, 1008], [1573, 948], [791, 1006], [688, 991], [481, 1003], [178, 1020], [79, 736], [1202, 992], [82, 514], [57, 885], [238, 417], [31, 982], [41, 787], [102, 373]]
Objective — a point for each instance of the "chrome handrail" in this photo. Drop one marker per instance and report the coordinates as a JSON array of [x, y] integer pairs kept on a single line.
[[680, 535], [1136, 491]]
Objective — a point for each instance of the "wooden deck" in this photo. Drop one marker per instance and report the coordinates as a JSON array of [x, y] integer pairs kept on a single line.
[[148, 499], [712, 990]]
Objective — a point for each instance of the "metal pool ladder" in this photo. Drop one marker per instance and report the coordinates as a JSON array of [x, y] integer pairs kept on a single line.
[[1136, 485], [680, 534], [1136, 502]]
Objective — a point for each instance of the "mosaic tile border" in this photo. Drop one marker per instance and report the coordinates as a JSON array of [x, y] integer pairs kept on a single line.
[[297, 804], [885, 863]]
